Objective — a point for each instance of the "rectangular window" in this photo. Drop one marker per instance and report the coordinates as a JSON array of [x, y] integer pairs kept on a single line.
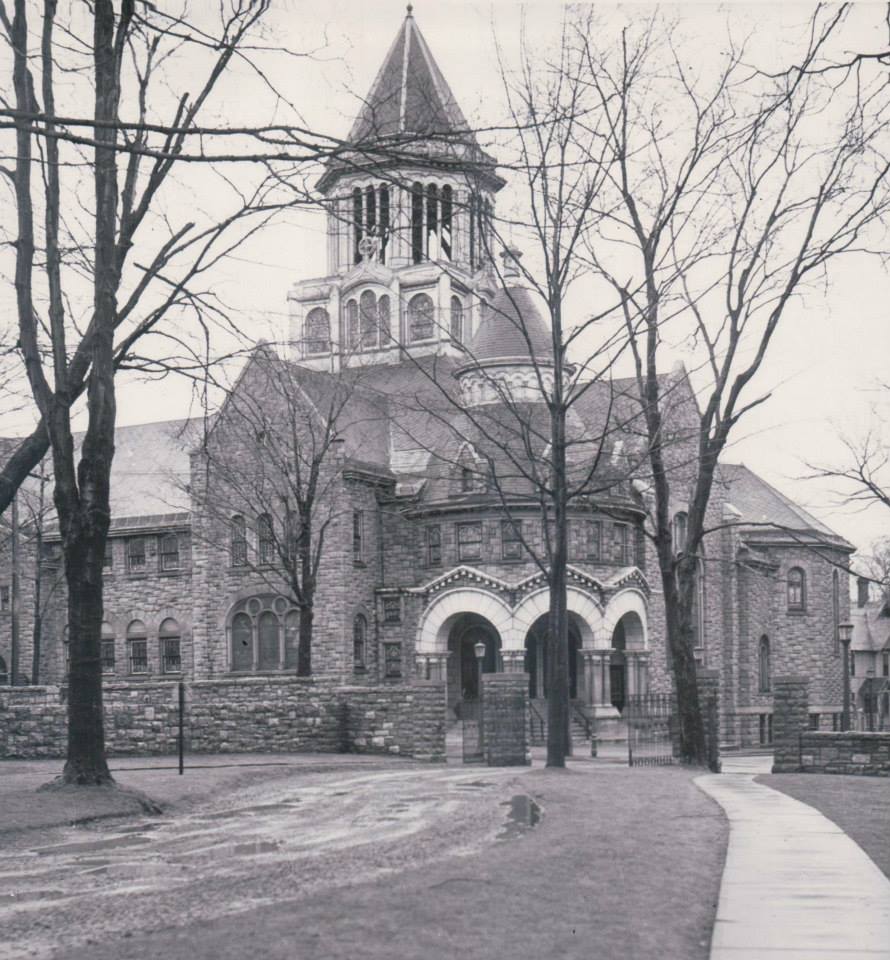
[[171, 662], [392, 660], [358, 536], [434, 546], [108, 558], [469, 541], [814, 721], [511, 539], [619, 544], [885, 664], [392, 609], [170, 552], [108, 656], [4, 596], [594, 540], [138, 653], [136, 554]]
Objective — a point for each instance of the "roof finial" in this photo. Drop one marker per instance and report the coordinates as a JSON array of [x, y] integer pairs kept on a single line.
[[410, 9]]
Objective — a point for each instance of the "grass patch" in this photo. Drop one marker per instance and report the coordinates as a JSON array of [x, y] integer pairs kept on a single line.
[[860, 806]]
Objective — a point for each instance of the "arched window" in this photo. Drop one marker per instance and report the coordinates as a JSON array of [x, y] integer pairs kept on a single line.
[[417, 222], [421, 317], [170, 552], [368, 311], [269, 632], [797, 589], [242, 642], [835, 611], [317, 335], [239, 541], [106, 635], [763, 665], [432, 222], [457, 320], [357, 231], [384, 320], [383, 230], [257, 626], [698, 607], [137, 647], [371, 208], [265, 537], [352, 328], [359, 642], [169, 640], [291, 639], [681, 522], [447, 217]]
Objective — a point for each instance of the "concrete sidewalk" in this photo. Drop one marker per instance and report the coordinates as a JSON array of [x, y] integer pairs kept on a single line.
[[795, 886]]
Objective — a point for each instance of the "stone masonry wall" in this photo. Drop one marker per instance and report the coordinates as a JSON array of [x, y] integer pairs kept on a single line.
[[856, 753], [790, 719], [505, 719], [252, 714]]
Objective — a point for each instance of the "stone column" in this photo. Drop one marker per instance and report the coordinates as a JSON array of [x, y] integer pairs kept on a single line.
[[602, 686], [630, 674], [790, 719], [514, 661], [643, 678], [588, 658], [437, 666]]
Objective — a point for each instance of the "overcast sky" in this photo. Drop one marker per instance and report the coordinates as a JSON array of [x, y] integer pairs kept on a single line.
[[826, 363]]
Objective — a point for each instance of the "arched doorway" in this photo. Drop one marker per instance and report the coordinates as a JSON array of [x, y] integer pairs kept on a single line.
[[628, 635], [463, 670], [536, 665]]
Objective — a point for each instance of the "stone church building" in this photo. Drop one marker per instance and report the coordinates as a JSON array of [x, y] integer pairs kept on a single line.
[[433, 542]]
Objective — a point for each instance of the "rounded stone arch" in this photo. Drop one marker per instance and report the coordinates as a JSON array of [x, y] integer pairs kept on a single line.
[[438, 618], [588, 615], [627, 602]]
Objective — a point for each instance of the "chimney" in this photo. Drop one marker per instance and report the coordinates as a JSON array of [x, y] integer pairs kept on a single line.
[[862, 584]]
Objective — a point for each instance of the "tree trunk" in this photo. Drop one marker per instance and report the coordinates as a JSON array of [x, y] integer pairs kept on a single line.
[[304, 644], [86, 762]]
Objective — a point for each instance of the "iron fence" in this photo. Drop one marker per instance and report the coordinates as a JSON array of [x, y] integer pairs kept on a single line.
[[651, 729]]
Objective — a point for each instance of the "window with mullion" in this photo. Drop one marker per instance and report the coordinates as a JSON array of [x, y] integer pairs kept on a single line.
[[511, 539], [469, 541], [434, 545]]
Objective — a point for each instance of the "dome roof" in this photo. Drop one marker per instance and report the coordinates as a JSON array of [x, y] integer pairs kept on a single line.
[[511, 323]]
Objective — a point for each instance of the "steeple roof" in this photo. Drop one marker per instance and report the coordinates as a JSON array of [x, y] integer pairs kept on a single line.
[[409, 95]]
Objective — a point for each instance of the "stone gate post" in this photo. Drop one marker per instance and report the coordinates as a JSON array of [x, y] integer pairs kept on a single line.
[[790, 718]]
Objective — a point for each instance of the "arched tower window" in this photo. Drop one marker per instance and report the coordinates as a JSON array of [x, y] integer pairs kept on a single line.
[[238, 534], [368, 311], [317, 335], [432, 222], [417, 222], [474, 206], [797, 589], [763, 665], [352, 328], [371, 214], [384, 320], [359, 642], [357, 222], [421, 317], [383, 229], [447, 222], [457, 320]]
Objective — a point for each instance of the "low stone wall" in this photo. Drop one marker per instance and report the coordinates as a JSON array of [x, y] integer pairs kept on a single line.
[[251, 714], [857, 753]]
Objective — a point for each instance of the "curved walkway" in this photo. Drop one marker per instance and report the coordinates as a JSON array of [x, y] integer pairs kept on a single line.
[[795, 886]]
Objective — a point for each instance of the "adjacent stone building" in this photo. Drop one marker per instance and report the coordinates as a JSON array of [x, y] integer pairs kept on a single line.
[[417, 375]]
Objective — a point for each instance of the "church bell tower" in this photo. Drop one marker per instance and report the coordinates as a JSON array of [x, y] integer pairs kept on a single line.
[[409, 213]]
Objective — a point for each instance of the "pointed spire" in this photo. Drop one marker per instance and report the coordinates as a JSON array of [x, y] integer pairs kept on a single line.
[[409, 95]]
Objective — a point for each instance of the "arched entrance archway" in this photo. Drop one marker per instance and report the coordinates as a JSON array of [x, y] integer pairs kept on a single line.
[[627, 635], [536, 666], [467, 630]]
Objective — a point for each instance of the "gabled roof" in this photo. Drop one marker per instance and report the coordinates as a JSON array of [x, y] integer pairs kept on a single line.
[[409, 95], [871, 626], [760, 503]]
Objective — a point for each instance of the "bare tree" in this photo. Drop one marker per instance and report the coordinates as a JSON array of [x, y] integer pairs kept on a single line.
[[103, 256], [729, 192], [274, 459]]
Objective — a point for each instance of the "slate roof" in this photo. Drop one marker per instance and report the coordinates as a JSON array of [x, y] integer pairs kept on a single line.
[[409, 95], [759, 502], [512, 327], [871, 626]]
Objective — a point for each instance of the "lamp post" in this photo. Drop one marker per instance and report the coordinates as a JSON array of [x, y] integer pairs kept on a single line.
[[479, 650], [845, 634]]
